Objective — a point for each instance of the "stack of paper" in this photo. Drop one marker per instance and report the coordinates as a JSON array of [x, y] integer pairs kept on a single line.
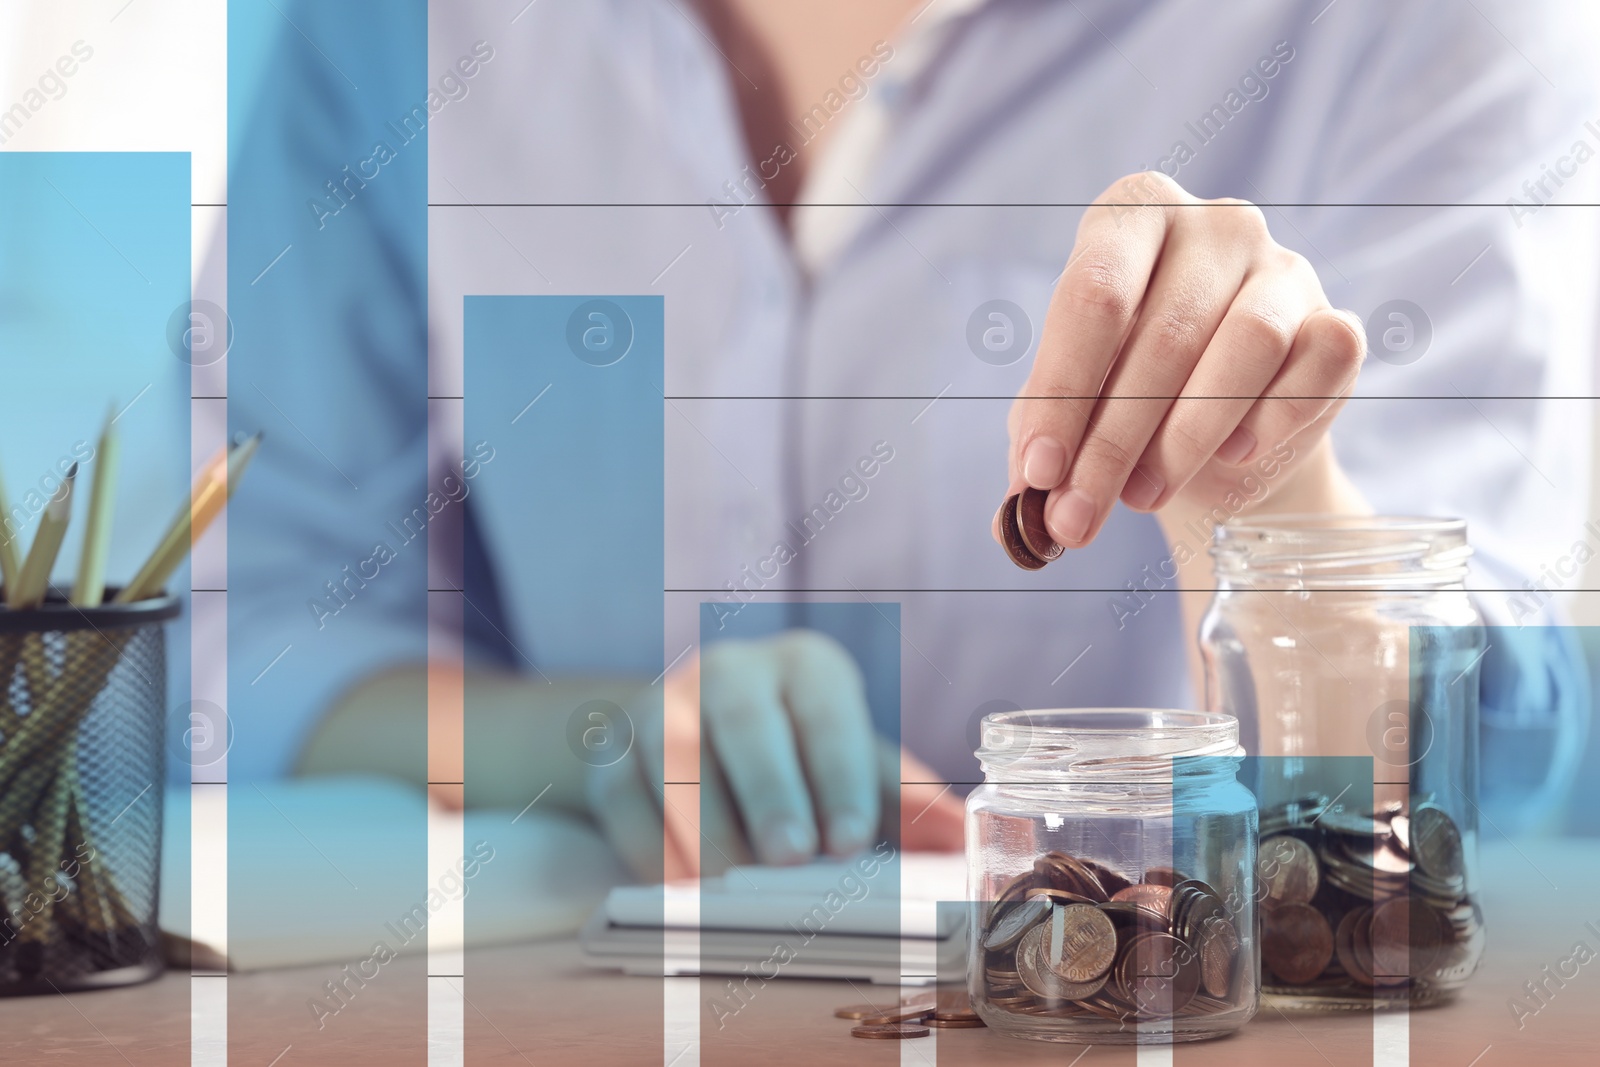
[[823, 920]]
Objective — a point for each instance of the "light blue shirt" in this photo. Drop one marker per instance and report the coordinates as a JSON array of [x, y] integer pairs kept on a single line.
[[959, 170]]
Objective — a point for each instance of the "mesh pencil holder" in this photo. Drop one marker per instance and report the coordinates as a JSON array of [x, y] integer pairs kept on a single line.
[[81, 771]]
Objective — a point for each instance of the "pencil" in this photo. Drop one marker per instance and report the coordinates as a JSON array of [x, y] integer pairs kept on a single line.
[[34, 580], [10, 564], [90, 589], [211, 491]]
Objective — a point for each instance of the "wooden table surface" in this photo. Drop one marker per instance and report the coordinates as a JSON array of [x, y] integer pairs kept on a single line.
[[537, 1004]]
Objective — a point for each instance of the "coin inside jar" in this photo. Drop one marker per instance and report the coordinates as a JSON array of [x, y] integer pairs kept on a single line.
[[1287, 870], [1016, 922], [1406, 936], [1296, 942], [1081, 943], [1219, 952], [1436, 843], [1041, 980], [1159, 974], [1155, 898], [1111, 949]]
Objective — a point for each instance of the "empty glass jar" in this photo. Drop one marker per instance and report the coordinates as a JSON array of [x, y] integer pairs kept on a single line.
[[1348, 649], [1111, 856]]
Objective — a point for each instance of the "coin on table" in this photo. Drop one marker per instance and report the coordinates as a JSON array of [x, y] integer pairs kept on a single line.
[[1296, 942], [906, 1012], [1436, 843], [1080, 943], [1030, 523], [859, 1011], [1287, 869], [890, 1031], [954, 1006], [1011, 537]]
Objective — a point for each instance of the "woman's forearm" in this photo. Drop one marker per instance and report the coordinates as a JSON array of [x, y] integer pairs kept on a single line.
[[1286, 485], [504, 735]]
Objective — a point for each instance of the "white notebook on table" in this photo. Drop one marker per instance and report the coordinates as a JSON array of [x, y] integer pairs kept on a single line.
[[822, 920]]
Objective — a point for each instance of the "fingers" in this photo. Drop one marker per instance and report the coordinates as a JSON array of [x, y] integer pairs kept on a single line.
[[748, 727], [1249, 346], [673, 748], [1313, 382], [1090, 314], [723, 843], [1191, 291], [627, 808], [828, 706]]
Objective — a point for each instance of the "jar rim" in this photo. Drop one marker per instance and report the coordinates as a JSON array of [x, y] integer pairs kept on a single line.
[[1343, 551], [1093, 743], [1079, 720], [1321, 524]]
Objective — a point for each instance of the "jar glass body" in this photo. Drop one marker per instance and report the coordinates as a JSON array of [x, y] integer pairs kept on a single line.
[[1111, 856], [1349, 650]]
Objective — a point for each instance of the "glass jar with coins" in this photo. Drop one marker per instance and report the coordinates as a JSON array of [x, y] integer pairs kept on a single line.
[[1348, 648], [1111, 858]]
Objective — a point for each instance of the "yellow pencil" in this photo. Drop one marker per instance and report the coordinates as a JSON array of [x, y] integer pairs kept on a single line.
[[34, 581], [210, 493], [90, 588], [10, 562], [178, 531]]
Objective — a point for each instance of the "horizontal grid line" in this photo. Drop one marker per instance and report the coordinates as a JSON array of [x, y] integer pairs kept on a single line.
[[723, 590], [975, 204], [1130, 396], [1065, 396]]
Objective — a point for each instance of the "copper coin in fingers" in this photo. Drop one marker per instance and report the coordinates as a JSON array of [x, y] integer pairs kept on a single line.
[[1030, 521], [1011, 537]]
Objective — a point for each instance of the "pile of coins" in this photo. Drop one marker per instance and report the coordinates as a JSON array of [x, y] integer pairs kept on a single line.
[[1072, 938], [1355, 902], [1023, 532], [949, 1009]]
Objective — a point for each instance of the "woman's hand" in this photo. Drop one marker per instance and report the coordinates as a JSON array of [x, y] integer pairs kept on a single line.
[[1182, 345], [793, 769]]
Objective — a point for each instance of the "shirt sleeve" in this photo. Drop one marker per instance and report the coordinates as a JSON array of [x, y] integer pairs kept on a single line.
[[328, 533], [1457, 139]]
